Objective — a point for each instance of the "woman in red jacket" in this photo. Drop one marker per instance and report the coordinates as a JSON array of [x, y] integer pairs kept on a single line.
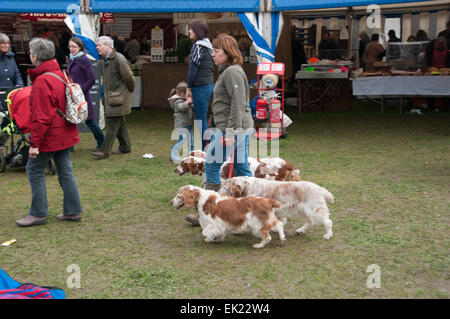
[[50, 136]]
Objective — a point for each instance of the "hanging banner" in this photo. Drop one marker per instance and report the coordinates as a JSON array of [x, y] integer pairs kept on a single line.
[[210, 17], [59, 17]]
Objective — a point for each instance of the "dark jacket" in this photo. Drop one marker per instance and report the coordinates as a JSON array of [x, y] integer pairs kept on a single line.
[[9, 73], [118, 83], [430, 50], [49, 131], [81, 72]]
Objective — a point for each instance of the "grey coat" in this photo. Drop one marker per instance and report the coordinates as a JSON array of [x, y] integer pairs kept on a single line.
[[230, 106], [118, 82], [182, 114]]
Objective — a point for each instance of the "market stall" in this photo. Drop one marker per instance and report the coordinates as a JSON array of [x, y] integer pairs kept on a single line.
[[324, 86]]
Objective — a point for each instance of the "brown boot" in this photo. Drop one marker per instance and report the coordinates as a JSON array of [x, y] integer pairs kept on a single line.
[[212, 187], [193, 219]]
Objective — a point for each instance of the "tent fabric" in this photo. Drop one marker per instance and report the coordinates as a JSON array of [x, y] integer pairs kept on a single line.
[[12, 289], [279, 5], [136, 6], [265, 30], [86, 27], [37, 6]]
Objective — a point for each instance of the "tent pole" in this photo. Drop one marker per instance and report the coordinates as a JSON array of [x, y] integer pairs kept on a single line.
[[349, 18]]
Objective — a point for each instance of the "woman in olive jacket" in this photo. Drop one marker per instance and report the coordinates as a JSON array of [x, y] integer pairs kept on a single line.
[[231, 115]]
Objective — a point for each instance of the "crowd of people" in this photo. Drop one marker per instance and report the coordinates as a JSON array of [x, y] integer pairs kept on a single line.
[[52, 136]]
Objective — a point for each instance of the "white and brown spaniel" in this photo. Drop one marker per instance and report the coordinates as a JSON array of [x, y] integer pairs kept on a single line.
[[191, 164], [198, 153], [220, 215], [297, 198]]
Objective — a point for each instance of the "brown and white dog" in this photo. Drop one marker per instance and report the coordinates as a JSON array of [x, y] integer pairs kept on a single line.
[[220, 215], [297, 198], [198, 153]]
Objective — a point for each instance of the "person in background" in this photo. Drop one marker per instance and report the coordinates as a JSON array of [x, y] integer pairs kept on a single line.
[[298, 54], [51, 136], [119, 45], [327, 48], [59, 53], [132, 48], [437, 56], [184, 45], [183, 116], [81, 72], [231, 114], [9, 73], [363, 42], [200, 75], [421, 35], [392, 36], [411, 38], [446, 32], [118, 83], [145, 46], [374, 52]]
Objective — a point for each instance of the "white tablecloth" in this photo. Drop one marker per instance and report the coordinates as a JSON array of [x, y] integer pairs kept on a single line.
[[402, 85], [136, 96]]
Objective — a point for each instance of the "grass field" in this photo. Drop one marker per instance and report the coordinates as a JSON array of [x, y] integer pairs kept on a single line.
[[390, 176]]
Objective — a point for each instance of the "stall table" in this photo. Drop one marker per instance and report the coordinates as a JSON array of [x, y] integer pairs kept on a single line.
[[381, 88], [322, 90]]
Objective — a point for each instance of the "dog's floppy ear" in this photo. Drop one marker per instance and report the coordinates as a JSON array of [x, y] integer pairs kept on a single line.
[[210, 206], [191, 197], [235, 190]]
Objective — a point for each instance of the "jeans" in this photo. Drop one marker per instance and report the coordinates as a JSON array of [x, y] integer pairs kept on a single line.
[[201, 94], [183, 134], [218, 153], [36, 176], [96, 131]]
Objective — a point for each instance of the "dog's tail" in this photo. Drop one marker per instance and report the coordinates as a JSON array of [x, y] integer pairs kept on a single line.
[[328, 196]]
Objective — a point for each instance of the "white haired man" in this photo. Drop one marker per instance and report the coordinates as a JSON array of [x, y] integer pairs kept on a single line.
[[118, 82]]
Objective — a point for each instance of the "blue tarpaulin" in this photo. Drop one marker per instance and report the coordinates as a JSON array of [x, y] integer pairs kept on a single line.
[[282, 5], [37, 6], [130, 6]]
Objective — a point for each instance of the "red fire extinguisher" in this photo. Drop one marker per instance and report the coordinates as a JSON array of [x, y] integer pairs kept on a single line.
[[275, 106], [261, 109]]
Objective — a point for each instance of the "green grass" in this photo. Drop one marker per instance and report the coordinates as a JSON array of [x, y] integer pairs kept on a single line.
[[389, 174]]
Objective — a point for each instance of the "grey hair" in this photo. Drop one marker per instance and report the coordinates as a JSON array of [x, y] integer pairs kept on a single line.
[[4, 38], [43, 49], [106, 41]]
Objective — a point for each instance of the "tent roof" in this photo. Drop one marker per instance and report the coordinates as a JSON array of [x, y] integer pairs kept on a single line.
[[174, 5], [284, 5], [37, 6]]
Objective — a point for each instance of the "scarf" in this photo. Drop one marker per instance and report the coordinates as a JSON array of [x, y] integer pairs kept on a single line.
[[73, 57], [197, 53]]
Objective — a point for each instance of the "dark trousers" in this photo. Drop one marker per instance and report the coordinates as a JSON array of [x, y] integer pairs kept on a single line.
[[116, 127]]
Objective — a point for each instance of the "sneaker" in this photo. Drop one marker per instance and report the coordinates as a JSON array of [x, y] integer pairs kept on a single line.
[[31, 221]]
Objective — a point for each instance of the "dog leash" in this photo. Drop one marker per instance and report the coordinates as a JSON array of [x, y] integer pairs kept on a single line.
[[230, 172]]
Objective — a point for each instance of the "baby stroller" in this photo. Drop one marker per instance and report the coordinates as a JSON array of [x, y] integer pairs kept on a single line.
[[15, 122]]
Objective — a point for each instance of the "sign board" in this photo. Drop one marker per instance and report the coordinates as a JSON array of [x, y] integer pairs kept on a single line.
[[59, 17], [210, 17]]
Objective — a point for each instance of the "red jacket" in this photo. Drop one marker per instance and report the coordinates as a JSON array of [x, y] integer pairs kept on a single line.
[[49, 131]]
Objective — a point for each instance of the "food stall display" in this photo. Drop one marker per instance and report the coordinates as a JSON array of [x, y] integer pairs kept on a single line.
[[324, 85], [404, 76]]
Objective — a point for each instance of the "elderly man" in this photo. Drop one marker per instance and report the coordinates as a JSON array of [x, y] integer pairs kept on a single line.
[[118, 82]]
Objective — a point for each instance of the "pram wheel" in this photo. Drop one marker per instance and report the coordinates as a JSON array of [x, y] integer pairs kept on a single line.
[[285, 133], [2, 162], [51, 168]]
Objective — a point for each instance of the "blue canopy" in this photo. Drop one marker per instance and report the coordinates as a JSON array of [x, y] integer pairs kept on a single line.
[[37, 6], [136, 6], [280, 5]]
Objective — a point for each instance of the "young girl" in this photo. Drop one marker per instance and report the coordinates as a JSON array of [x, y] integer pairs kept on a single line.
[[183, 116]]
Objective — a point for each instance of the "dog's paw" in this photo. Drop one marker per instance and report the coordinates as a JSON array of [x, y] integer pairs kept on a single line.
[[300, 232], [283, 241], [327, 236], [258, 246]]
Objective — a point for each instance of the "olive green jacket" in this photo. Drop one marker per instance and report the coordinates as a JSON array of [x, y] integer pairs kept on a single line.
[[118, 82], [230, 106]]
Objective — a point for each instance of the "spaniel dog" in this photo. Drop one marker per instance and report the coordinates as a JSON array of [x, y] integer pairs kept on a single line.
[[284, 171], [296, 197], [198, 153], [219, 215]]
